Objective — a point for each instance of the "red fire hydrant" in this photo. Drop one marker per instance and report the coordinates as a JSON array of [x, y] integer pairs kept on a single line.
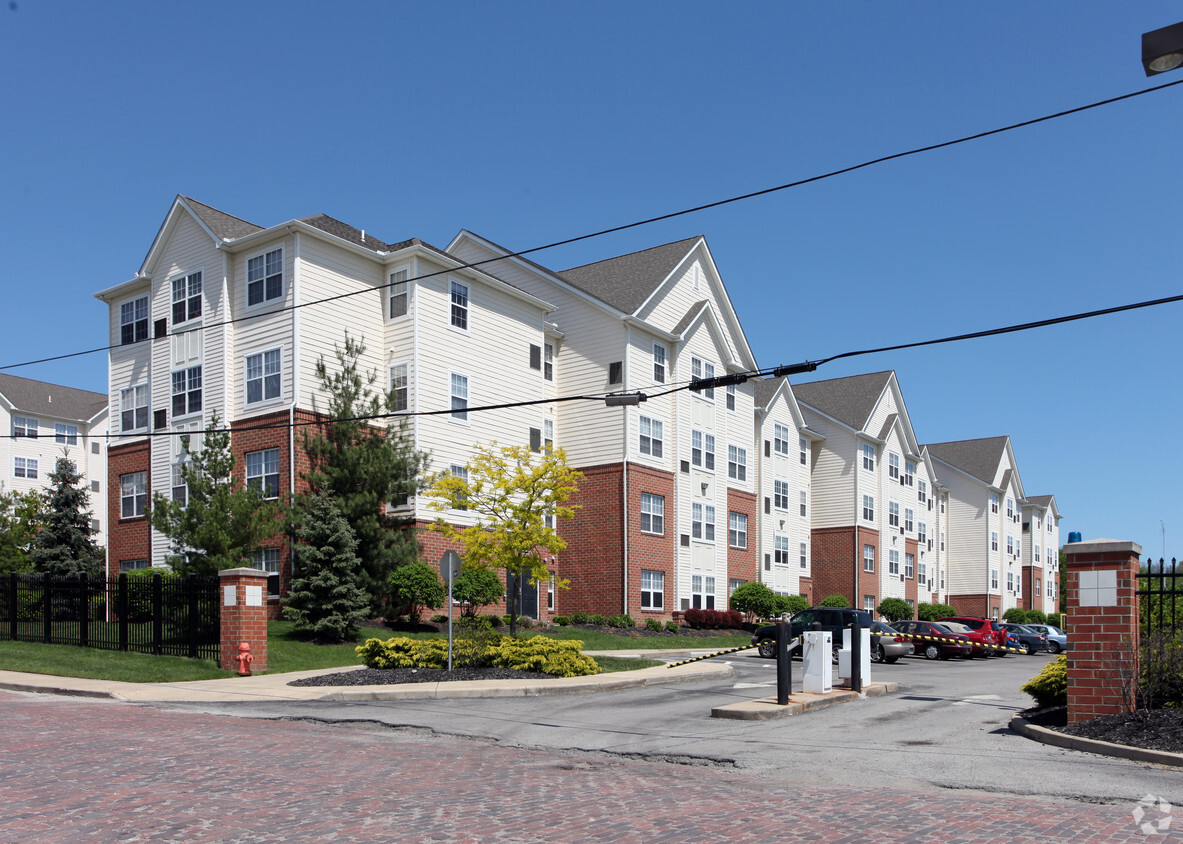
[[244, 659]]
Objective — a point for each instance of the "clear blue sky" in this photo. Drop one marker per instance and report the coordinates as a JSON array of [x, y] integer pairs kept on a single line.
[[529, 123]]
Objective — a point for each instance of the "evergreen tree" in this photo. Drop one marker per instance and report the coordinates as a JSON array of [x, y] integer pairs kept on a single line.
[[21, 515], [221, 521], [65, 545], [363, 467], [323, 597]]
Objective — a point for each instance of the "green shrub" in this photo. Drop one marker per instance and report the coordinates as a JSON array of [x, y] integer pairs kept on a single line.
[[1015, 615], [672, 627], [653, 624], [601, 620], [835, 601], [439, 618], [792, 604], [1056, 619], [494, 620], [525, 622], [474, 641], [1050, 686], [414, 586], [1035, 617], [402, 652], [894, 609], [561, 620], [549, 656], [580, 618], [754, 599], [931, 612], [475, 588], [623, 622]]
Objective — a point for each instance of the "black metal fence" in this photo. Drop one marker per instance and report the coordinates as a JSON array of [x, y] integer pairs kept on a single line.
[[1160, 599], [161, 614]]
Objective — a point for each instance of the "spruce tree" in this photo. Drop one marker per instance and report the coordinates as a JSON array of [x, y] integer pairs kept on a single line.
[[65, 545], [323, 597], [364, 464]]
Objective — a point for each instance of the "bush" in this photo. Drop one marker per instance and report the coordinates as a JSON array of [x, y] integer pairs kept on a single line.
[[1050, 686], [474, 641], [713, 619], [475, 588], [1015, 615], [754, 599], [1035, 617], [835, 601], [601, 620], [561, 620], [653, 625], [1056, 619], [580, 618], [672, 627], [402, 652], [792, 604], [894, 609], [439, 618], [493, 620], [414, 586], [931, 612], [623, 622], [541, 653]]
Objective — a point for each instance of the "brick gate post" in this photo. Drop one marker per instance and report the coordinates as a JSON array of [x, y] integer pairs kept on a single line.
[[1101, 602], [243, 616]]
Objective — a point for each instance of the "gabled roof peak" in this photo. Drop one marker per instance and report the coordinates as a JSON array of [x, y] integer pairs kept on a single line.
[[850, 400], [627, 281]]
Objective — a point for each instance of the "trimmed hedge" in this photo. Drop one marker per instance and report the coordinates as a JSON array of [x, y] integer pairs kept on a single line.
[[713, 619], [1050, 686], [539, 653]]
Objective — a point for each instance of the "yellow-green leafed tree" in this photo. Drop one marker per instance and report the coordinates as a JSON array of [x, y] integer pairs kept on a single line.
[[510, 490]]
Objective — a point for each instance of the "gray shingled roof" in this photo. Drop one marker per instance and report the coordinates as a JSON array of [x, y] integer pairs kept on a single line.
[[625, 282], [978, 458], [219, 222], [1040, 500], [687, 318], [54, 401], [765, 388], [850, 400]]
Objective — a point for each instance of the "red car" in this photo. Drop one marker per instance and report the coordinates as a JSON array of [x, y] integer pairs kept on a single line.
[[943, 643], [992, 632]]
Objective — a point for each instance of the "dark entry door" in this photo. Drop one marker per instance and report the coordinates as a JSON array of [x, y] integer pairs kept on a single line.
[[529, 596]]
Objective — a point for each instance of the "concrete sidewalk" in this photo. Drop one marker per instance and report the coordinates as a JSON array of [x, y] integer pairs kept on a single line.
[[274, 687]]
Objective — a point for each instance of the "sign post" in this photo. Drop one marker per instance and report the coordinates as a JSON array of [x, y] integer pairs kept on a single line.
[[450, 569]]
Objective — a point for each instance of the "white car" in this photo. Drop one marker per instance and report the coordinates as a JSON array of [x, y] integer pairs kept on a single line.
[[1057, 639]]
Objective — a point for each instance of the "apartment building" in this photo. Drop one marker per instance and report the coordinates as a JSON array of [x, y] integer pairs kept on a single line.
[[1041, 558], [47, 421]]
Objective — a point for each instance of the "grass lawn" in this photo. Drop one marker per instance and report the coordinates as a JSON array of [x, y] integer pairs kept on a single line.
[[72, 661]]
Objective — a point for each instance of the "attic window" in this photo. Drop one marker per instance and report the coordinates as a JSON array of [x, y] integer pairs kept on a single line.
[[616, 372], [264, 277]]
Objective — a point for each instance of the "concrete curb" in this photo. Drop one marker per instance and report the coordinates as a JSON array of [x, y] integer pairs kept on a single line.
[[1103, 748], [59, 690], [765, 709]]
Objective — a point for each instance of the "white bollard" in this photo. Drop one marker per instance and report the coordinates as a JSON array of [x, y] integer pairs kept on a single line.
[[817, 661]]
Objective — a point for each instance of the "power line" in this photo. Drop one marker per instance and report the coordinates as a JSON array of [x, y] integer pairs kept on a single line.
[[632, 225]]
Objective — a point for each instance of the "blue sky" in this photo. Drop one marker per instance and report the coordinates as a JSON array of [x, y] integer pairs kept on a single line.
[[530, 123]]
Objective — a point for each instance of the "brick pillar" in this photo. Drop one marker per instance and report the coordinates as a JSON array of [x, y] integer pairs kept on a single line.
[[244, 616], [1101, 603]]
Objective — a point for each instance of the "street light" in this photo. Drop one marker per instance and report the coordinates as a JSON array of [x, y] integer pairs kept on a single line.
[[1162, 49]]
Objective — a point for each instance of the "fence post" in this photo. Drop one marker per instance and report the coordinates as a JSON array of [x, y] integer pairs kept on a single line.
[[157, 614], [47, 608], [121, 609], [13, 605], [243, 616], [191, 587], [1102, 626], [84, 612]]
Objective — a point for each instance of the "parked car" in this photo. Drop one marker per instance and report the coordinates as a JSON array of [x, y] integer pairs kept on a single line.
[[1027, 640], [979, 644], [947, 642], [887, 645], [989, 628], [833, 619], [1057, 639]]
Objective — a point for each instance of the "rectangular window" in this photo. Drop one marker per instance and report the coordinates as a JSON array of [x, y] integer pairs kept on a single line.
[[869, 558], [25, 467], [264, 277], [460, 472], [652, 513], [893, 466], [1010, 545], [780, 549], [460, 305], [869, 457], [658, 363], [133, 321], [780, 439], [804, 504], [25, 426], [133, 408], [733, 584], [263, 376], [616, 372], [893, 513], [993, 540], [803, 447], [909, 472], [701, 369], [133, 494], [535, 439], [267, 559], [803, 555], [400, 390], [921, 491], [459, 396], [780, 495], [869, 603], [400, 294], [994, 579], [702, 597], [1038, 584], [737, 463], [702, 522], [1037, 553], [548, 433], [731, 397], [893, 563], [651, 440], [922, 574], [922, 532], [868, 508], [550, 594], [65, 434], [180, 490], [909, 565], [262, 471], [132, 565], [186, 391], [1010, 508], [652, 589], [993, 502], [908, 517], [186, 298], [1010, 581], [548, 361], [702, 450], [737, 530]]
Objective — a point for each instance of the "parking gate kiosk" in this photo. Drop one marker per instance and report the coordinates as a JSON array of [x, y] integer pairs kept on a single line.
[[817, 658], [844, 657]]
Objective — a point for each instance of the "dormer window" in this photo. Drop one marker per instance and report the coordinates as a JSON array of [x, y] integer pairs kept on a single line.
[[264, 277]]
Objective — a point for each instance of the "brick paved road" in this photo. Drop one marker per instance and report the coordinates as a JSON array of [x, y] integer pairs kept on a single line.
[[82, 771]]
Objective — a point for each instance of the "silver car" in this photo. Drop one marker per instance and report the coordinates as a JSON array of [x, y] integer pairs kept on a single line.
[[887, 645], [1057, 639]]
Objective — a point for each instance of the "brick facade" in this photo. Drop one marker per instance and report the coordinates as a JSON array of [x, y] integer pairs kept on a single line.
[[244, 613], [127, 539], [741, 562]]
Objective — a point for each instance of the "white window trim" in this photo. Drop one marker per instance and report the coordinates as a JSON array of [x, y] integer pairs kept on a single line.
[[390, 380], [132, 388], [452, 326], [188, 322], [148, 327], [278, 473], [390, 292], [452, 417], [653, 513], [263, 402], [246, 278], [171, 393]]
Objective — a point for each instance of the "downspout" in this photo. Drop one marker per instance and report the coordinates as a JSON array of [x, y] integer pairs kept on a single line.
[[296, 263], [624, 484]]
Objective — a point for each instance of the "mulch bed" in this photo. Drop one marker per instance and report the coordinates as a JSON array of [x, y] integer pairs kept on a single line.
[[1152, 729]]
